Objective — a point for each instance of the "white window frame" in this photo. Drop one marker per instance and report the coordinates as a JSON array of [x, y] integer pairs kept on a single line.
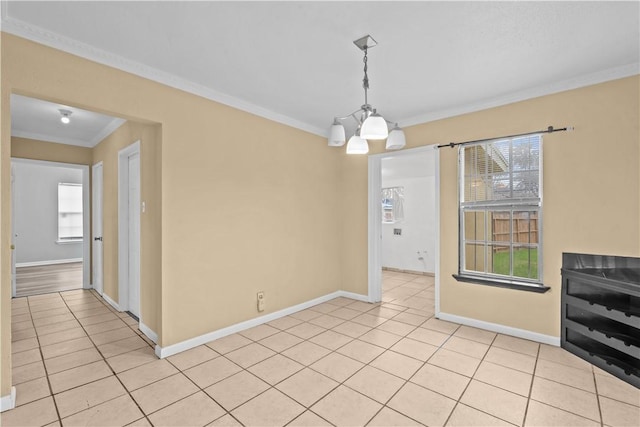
[[67, 239], [507, 204], [397, 205]]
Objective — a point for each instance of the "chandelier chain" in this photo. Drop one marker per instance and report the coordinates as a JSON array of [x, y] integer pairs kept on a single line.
[[365, 80]]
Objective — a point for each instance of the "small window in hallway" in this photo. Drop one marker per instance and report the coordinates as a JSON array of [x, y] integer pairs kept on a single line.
[[392, 205], [69, 212]]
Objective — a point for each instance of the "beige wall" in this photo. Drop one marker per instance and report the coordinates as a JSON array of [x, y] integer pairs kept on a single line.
[[590, 194], [150, 221], [246, 207], [48, 151], [246, 204]]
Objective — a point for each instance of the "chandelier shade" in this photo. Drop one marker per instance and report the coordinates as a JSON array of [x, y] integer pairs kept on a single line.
[[396, 139], [337, 136], [371, 125], [357, 145], [374, 127]]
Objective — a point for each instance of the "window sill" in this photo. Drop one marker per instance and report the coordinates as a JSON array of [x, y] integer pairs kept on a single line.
[[67, 242], [502, 284]]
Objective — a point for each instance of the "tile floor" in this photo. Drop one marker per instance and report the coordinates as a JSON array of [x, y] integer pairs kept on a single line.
[[343, 362]]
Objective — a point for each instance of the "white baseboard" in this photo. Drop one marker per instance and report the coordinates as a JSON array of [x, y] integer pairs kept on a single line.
[[170, 350], [8, 402], [143, 328], [148, 332], [50, 262], [110, 301], [351, 295], [400, 270], [501, 329]]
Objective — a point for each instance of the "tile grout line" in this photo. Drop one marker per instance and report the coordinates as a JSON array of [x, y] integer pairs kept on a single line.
[[181, 371], [307, 408], [597, 395], [470, 378], [595, 385], [533, 377], [351, 339], [44, 365], [384, 405], [200, 389], [105, 362], [111, 309]]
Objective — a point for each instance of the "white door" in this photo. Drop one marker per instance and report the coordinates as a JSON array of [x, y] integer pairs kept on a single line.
[[134, 233], [97, 242], [129, 229]]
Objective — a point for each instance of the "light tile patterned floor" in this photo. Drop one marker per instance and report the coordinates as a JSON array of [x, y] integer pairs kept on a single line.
[[77, 362]]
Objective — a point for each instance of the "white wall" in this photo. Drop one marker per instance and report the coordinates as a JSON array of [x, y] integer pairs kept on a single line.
[[418, 238], [36, 212]]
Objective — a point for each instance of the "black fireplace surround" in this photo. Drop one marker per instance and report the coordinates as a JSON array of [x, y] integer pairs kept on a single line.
[[601, 312]]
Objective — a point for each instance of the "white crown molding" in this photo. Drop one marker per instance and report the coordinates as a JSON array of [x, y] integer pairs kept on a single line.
[[569, 84], [49, 138], [74, 47], [107, 130]]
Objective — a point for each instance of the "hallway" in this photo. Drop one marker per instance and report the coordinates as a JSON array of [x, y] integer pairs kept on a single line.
[[46, 279]]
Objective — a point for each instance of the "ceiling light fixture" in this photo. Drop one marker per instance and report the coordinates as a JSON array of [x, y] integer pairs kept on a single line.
[[65, 116], [371, 125]]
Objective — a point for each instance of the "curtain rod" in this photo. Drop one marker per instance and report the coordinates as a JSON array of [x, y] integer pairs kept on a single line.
[[550, 129]]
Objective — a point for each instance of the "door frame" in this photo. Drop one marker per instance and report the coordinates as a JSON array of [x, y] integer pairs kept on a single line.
[[97, 214], [13, 232], [123, 228], [86, 213], [375, 221]]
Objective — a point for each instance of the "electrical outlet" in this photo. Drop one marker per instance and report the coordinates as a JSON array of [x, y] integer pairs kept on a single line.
[[261, 301]]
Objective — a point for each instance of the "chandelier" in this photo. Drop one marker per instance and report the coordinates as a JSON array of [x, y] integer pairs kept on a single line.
[[370, 125]]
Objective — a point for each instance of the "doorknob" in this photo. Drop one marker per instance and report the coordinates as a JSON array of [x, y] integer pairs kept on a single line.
[[98, 238]]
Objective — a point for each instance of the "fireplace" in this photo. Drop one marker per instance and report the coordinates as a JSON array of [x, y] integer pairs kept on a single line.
[[601, 312]]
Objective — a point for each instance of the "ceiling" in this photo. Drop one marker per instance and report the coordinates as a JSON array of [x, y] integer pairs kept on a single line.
[[38, 119], [294, 62]]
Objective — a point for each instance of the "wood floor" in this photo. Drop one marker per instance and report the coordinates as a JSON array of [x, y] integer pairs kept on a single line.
[[48, 278]]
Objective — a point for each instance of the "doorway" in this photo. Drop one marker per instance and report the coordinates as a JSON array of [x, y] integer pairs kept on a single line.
[[50, 223], [404, 241], [129, 229]]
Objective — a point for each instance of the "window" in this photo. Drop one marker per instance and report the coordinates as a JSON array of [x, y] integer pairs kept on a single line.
[[69, 212], [500, 210], [392, 205]]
